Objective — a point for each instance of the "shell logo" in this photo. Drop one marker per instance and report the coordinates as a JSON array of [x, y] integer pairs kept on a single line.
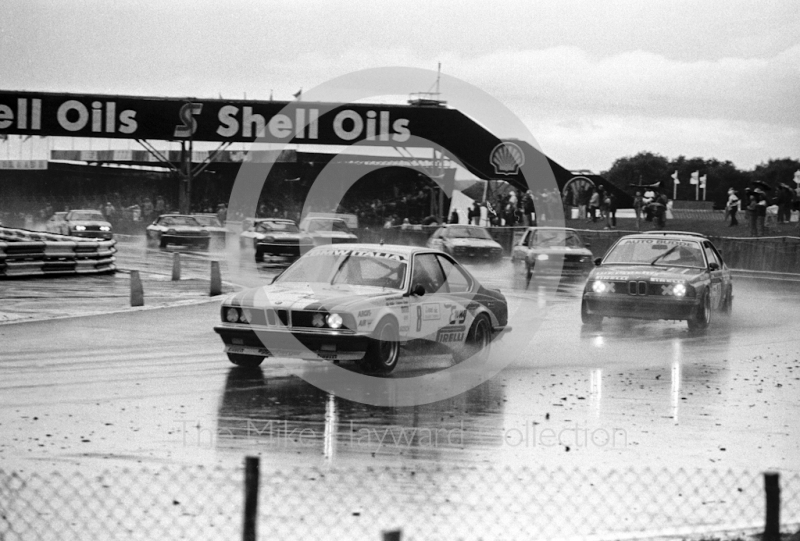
[[507, 158]]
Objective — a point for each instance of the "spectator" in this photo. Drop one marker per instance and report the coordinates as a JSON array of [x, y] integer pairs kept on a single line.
[[453, 216], [160, 207], [752, 204], [527, 208], [594, 204], [659, 206], [732, 207], [109, 212], [784, 202], [222, 213], [611, 217], [761, 211], [638, 205], [147, 210], [474, 214]]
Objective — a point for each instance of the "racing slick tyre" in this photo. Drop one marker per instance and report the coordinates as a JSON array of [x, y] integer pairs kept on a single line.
[[383, 350], [587, 318], [702, 319], [245, 361], [478, 342]]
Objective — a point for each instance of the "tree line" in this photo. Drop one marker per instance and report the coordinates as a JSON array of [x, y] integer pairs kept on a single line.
[[648, 168]]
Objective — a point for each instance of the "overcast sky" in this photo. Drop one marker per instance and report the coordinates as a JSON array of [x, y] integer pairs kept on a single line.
[[593, 81]]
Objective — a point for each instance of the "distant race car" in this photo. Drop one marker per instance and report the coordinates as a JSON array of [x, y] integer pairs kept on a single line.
[[361, 302], [552, 251], [80, 223], [276, 238], [179, 229], [211, 223], [466, 242], [659, 275], [327, 230]]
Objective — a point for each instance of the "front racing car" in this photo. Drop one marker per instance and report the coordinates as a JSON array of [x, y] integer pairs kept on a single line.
[[361, 303]]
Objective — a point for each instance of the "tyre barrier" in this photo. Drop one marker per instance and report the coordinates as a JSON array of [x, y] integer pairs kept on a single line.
[[33, 253]]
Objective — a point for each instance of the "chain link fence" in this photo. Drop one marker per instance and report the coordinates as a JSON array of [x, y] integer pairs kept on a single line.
[[421, 503]]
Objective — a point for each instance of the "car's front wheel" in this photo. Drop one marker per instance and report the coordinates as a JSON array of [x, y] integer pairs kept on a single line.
[[478, 342], [245, 361], [587, 318], [702, 318], [383, 350]]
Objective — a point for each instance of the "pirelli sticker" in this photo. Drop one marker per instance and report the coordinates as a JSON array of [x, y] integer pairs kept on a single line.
[[451, 334]]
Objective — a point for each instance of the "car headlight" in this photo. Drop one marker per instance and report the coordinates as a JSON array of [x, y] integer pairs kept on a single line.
[[334, 321], [318, 320], [542, 257], [171, 232], [679, 290], [268, 239], [231, 315], [599, 287], [80, 228], [105, 228]]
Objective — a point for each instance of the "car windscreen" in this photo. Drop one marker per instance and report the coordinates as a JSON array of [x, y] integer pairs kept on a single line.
[[179, 220], [348, 268], [208, 221], [468, 233], [277, 227], [328, 225], [656, 252], [86, 216], [557, 238]]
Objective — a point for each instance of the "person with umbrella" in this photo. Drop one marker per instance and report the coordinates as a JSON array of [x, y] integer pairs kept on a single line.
[[760, 211], [732, 206]]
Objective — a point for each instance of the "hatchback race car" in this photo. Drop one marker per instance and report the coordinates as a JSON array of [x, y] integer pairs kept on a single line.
[[277, 238], [361, 302], [80, 223], [466, 242], [180, 229], [552, 251], [659, 275]]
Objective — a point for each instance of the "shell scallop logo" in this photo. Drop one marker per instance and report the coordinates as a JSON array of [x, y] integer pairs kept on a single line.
[[507, 158]]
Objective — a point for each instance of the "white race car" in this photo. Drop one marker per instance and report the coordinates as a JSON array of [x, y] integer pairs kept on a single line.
[[361, 302]]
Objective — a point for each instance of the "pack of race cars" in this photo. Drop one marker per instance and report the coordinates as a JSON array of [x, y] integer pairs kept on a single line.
[[363, 302]]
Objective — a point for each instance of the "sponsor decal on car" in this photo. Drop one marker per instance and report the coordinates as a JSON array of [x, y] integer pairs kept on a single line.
[[430, 311], [450, 334]]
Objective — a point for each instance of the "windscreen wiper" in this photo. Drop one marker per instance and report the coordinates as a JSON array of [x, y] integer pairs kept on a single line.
[[665, 254]]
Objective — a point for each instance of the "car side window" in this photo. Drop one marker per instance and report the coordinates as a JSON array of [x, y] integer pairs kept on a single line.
[[428, 274], [457, 280], [711, 254]]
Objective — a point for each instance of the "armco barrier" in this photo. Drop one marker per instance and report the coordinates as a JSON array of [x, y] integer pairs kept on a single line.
[[32, 253], [764, 254]]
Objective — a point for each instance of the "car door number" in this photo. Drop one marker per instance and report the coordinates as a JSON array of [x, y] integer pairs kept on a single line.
[[457, 316]]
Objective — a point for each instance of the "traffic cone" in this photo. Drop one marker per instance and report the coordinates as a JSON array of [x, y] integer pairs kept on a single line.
[[216, 280], [176, 267], [137, 293]]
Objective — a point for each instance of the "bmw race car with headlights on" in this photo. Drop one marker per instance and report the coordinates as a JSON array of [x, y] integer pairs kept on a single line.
[[362, 302], [659, 275]]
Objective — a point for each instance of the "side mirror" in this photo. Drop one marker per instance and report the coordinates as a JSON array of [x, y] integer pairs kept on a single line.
[[597, 261], [418, 290], [713, 266]]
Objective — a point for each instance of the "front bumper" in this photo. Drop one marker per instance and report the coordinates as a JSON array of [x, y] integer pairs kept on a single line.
[[105, 235], [641, 307], [310, 345], [282, 250], [186, 240]]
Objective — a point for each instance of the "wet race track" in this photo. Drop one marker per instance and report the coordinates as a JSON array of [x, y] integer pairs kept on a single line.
[[155, 387]]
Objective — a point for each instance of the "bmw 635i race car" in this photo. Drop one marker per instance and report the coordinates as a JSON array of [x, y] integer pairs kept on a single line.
[[659, 275], [361, 302]]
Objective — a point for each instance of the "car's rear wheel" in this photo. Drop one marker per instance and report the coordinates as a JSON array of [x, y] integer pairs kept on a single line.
[[587, 318], [478, 342], [383, 350], [245, 361], [701, 319]]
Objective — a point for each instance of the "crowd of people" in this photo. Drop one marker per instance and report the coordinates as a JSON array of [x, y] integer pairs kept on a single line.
[[757, 204]]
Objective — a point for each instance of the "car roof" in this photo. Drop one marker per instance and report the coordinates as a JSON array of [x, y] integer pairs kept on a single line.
[[676, 235], [81, 210], [550, 228], [399, 249]]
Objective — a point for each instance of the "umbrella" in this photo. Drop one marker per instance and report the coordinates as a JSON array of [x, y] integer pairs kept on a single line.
[[763, 185], [653, 185]]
